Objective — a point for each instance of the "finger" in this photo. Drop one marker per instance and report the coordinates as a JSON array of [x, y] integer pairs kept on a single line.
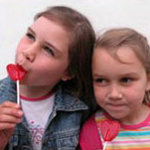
[[4, 126], [10, 104], [9, 119], [11, 111]]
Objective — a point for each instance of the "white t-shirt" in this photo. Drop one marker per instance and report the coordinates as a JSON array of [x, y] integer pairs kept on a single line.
[[37, 111]]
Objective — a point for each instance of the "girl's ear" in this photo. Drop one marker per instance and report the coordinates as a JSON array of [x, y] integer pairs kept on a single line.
[[66, 77], [148, 83]]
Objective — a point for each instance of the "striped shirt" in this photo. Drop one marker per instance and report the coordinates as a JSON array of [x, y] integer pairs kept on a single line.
[[130, 137]]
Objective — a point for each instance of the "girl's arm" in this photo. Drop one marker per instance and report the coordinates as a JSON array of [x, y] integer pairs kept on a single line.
[[89, 137]]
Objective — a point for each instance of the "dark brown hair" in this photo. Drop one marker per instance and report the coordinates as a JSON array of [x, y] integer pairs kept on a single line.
[[82, 38], [113, 39]]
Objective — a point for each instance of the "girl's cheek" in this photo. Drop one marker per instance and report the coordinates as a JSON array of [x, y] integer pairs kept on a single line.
[[99, 97]]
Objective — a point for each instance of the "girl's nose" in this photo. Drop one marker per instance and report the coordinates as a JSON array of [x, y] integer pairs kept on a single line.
[[30, 52], [115, 92]]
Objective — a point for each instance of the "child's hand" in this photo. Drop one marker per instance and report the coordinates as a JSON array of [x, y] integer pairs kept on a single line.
[[10, 115]]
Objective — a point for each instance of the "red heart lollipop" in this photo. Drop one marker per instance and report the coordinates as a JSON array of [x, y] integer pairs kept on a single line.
[[15, 72], [109, 129]]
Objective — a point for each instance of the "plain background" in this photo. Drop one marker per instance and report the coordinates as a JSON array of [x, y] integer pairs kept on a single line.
[[17, 15]]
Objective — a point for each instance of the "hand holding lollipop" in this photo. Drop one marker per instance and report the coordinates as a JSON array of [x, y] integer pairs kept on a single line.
[[16, 73], [109, 130]]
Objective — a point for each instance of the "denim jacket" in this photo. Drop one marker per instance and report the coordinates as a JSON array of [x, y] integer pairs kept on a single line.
[[63, 125]]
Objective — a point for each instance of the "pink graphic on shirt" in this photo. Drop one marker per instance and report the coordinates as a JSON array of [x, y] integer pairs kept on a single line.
[[36, 131]]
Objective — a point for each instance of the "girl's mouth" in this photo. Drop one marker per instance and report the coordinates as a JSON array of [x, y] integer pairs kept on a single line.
[[115, 106], [21, 68]]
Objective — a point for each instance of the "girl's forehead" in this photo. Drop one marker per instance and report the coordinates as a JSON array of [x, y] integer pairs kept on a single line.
[[43, 22], [104, 64], [124, 54], [50, 32]]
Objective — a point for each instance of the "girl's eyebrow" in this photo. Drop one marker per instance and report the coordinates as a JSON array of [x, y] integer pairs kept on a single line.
[[49, 44], [53, 47], [98, 75], [125, 74], [29, 29]]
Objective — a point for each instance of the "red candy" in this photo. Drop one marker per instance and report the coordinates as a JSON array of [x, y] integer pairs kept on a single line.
[[15, 72], [109, 129]]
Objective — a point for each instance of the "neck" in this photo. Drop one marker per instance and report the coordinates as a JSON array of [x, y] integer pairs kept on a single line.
[[34, 91]]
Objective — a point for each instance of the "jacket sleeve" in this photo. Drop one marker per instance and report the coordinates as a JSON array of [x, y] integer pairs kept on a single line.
[[7, 90], [89, 137]]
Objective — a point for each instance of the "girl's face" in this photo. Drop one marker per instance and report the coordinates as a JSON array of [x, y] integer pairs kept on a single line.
[[120, 87], [43, 53]]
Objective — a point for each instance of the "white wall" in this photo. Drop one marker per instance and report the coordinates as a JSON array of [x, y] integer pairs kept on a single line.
[[17, 15]]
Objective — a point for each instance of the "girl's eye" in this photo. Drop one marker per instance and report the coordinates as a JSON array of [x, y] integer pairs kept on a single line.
[[126, 80], [100, 81], [30, 36], [49, 50]]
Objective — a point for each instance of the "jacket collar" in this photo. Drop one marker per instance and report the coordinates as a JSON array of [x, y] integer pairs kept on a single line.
[[68, 102], [63, 100]]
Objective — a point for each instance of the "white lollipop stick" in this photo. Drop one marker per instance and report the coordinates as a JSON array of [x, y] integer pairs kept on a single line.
[[104, 146], [18, 92]]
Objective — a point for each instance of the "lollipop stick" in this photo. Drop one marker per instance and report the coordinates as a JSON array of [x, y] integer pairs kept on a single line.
[[104, 146], [18, 93]]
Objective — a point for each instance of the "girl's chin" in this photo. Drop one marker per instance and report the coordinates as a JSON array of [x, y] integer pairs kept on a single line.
[[116, 115]]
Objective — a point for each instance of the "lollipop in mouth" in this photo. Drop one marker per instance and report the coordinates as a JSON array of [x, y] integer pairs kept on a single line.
[[16, 73]]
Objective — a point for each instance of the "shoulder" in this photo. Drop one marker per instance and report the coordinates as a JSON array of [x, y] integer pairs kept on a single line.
[[90, 123], [68, 102], [89, 137], [7, 83]]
